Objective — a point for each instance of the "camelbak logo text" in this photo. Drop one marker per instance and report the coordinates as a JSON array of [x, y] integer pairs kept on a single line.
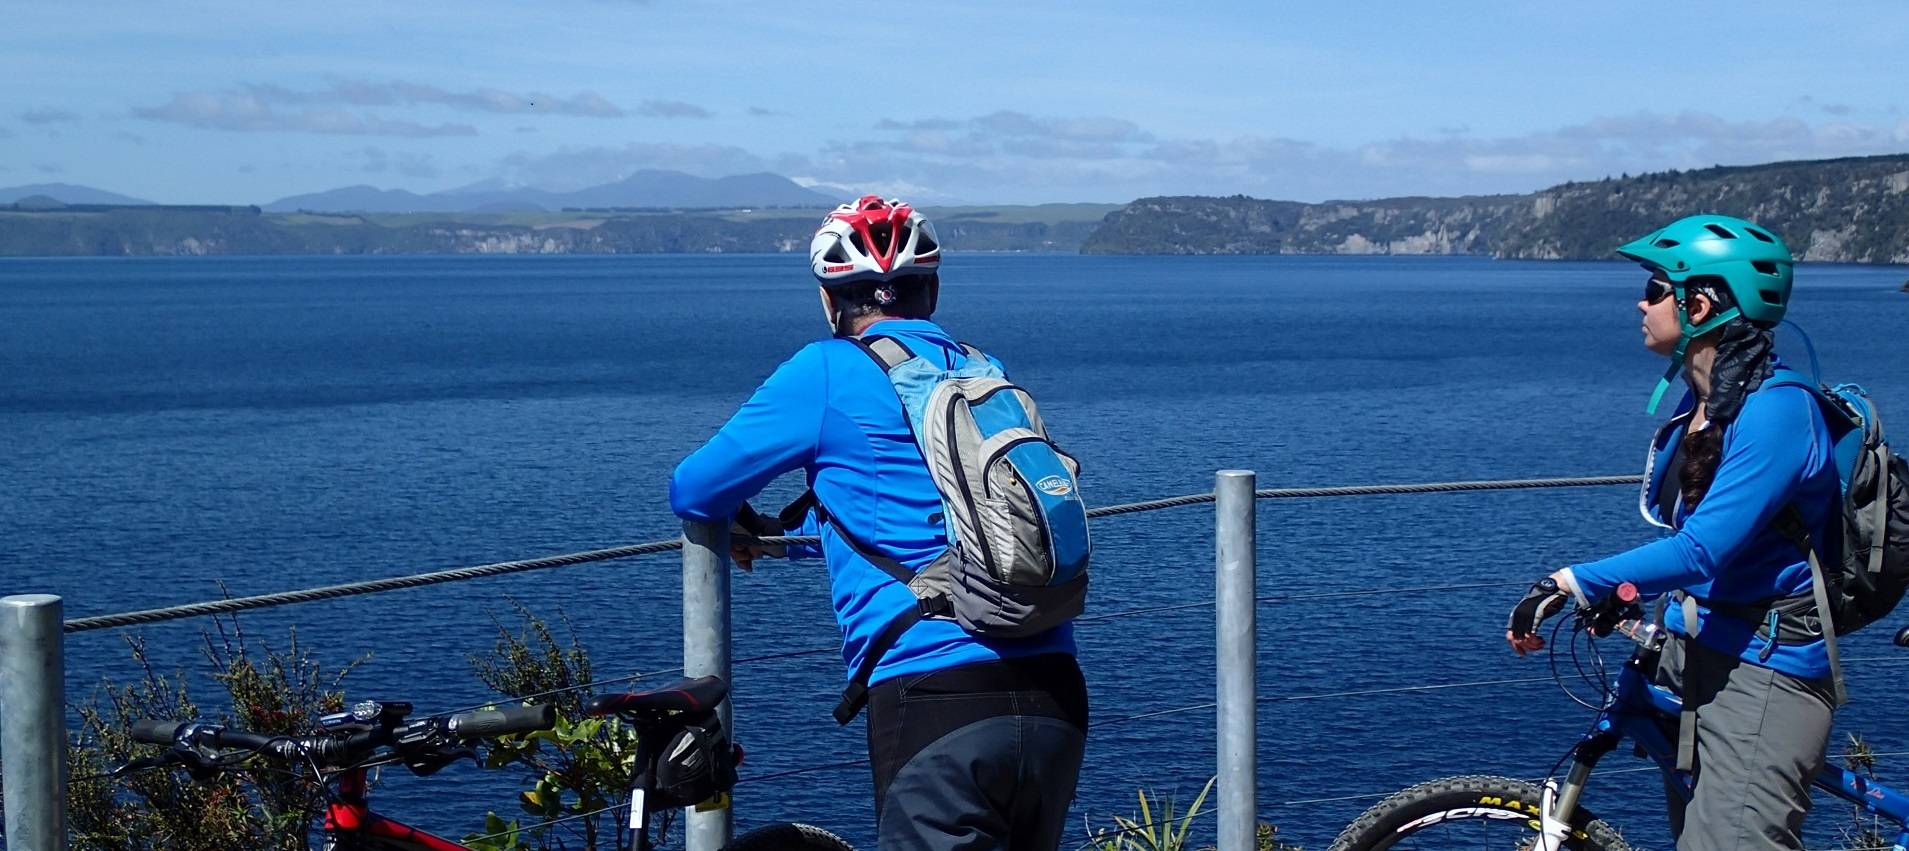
[[1055, 486]]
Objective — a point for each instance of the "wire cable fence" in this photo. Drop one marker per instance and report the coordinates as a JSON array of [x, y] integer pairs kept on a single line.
[[419, 580], [261, 601]]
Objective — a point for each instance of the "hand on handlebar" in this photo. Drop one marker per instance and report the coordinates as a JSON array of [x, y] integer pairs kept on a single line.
[[1545, 598]]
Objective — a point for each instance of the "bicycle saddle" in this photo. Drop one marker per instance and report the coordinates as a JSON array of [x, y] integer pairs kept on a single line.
[[685, 695]]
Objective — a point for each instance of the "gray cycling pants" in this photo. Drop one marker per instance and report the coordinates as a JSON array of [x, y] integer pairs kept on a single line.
[[982, 757], [1760, 740]]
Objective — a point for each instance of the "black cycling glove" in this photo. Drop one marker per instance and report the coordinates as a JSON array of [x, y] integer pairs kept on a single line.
[[1546, 598]]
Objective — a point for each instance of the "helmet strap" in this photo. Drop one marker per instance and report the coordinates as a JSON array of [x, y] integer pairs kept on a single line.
[[1688, 332], [830, 313]]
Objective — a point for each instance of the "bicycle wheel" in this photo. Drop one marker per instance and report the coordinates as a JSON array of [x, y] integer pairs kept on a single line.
[[789, 836], [1467, 812]]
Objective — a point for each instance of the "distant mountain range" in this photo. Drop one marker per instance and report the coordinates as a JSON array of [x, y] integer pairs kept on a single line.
[[65, 193], [650, 189], [647, 189], [1844, 210]]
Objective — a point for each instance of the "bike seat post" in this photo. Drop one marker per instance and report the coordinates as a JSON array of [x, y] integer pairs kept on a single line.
[[643, 780]]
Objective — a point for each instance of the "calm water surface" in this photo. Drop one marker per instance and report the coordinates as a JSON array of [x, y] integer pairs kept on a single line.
[[181, 428]]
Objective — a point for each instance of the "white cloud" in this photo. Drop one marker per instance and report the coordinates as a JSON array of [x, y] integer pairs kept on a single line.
[[1013, 156], [407, 163], [48, 115], [1008, 156], [401, 93], [248, 113], [672, 109], [575, 168]]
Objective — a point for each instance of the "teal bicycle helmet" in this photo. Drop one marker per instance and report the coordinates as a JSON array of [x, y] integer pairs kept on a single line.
[[1750, 263]]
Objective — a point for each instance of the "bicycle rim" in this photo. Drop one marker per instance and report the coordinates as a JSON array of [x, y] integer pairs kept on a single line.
[[1465, 813]]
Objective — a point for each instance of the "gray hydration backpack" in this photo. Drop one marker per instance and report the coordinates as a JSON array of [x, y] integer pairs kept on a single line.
[[1862, 571], [1018, 547]]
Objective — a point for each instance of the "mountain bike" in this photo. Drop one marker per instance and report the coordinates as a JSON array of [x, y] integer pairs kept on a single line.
[[347, 747], [675, 726], [1475, 811], [684, 760]]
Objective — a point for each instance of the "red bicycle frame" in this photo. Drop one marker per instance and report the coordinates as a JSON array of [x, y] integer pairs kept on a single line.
[[350, 823]]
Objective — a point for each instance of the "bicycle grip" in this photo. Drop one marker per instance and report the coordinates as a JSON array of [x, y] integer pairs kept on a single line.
[[1902, 637], [500, 721], [154, 732]]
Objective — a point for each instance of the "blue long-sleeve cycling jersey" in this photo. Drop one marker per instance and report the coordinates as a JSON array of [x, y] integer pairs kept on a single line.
[[830, 410], [1777, 453]]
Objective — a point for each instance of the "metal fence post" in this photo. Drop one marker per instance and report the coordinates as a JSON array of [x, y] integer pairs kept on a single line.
[[33, 722], [706, 649], [1234, 541]]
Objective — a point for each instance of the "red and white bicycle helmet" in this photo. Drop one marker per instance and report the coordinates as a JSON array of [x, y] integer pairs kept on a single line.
[[873, 240]]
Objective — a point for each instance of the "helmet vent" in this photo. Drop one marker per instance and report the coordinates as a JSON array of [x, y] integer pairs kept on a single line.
[[925, 244], [1666, 243], [1762, 236], [883, 235], [1771, 297], [836, 254], [1764, 266], [1720, 231]]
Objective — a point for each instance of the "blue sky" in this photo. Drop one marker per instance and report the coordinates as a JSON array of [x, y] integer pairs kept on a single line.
[[985, 101]]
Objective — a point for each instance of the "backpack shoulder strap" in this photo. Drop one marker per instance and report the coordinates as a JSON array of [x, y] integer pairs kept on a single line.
[[1786, 377], [886, 352], [1835, 408], [855, 695], [1789, 523], [1819, 587], [791, 516]]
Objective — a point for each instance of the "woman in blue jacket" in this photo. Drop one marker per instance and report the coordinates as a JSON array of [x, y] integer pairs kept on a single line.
[[1736, 460]]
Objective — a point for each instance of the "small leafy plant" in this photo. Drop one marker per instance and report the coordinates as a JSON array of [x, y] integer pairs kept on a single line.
[[579, 769], [1147, 830]]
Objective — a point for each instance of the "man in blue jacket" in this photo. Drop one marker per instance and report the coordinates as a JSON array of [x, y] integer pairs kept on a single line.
[[974, 743]]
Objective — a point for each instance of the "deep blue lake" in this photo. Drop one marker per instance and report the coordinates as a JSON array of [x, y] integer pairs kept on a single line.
[[175, 426]]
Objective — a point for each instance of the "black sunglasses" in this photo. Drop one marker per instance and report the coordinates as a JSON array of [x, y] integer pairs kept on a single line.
[[1657, 289]]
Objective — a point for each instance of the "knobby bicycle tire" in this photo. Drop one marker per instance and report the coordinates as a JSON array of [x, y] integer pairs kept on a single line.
[[1419, 816], [789, 836]]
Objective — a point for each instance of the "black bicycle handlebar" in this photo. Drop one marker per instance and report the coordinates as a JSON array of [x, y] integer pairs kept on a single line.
[[1604, 615], [485, 723], [151, 732], [356, 742]]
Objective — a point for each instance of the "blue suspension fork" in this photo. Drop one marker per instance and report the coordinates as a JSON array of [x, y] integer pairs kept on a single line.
[[1631, 710]]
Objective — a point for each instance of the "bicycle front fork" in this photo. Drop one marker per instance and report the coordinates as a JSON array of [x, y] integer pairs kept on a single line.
[[1560, 800]]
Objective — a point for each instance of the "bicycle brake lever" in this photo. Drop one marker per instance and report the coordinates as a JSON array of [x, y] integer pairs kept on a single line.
[[1602, 617], [143, 763], [428, 763]]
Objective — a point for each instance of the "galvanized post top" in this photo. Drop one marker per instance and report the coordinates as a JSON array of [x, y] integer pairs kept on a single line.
[[29, 601], [1235, 474]]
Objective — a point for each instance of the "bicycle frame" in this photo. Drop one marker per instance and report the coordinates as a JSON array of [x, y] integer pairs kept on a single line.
[[1637, 710], [350, 824]]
